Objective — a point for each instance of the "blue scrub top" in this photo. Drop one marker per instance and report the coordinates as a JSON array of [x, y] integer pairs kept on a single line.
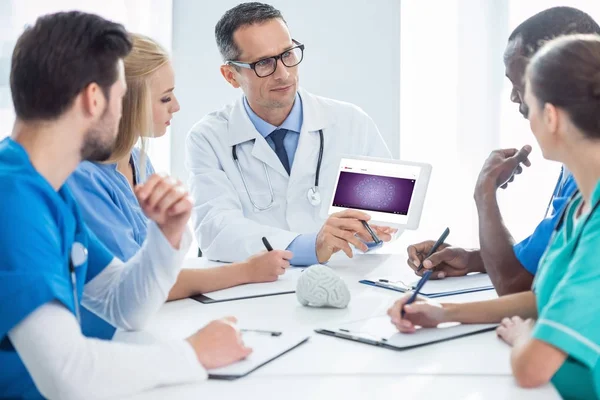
[[40, 227], [530, 250], [111, 210]]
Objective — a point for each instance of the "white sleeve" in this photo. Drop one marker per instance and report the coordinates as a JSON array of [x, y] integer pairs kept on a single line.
[[128, 294], [64, 364], [222, 230]]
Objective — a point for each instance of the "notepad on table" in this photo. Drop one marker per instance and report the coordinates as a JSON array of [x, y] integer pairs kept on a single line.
[[286, 284], [265, 348], [438, 288], [378, 331]]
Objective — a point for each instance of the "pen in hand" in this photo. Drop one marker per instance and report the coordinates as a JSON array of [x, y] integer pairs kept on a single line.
[[371, 232], [267, 244], [420, 285], [437, 244]]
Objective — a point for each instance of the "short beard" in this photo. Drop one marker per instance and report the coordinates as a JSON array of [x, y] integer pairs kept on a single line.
[[96, 148]]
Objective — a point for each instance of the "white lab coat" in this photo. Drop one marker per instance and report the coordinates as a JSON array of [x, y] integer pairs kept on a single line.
[[227, 226]]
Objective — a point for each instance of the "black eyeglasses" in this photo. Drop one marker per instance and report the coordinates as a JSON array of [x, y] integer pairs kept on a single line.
[[268, 66]]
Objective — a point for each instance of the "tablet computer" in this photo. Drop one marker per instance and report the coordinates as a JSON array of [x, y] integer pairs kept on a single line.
[[392, 192]]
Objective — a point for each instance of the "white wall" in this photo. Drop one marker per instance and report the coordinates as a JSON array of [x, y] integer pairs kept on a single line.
[[149, 17], [452, 74], [352, 54]]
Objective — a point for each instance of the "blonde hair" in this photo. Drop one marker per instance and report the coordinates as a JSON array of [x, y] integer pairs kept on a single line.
[[145, 58]]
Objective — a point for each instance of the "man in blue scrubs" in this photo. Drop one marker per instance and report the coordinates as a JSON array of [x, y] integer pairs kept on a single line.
[[510, 266], [67, 83]]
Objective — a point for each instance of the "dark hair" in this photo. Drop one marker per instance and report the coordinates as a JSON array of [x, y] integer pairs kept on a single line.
[[58, 57], [551, 23], [566, 73], [241, 15]]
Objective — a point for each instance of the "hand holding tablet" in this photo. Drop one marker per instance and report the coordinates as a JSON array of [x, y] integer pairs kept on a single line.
[[391, 192]]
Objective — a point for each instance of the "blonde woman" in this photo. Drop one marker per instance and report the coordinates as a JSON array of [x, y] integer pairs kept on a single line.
[[104, 191]]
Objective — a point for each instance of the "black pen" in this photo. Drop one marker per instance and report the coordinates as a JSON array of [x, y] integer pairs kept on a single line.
[[435, 247], [267, 244], [371, 232], [272, 333]]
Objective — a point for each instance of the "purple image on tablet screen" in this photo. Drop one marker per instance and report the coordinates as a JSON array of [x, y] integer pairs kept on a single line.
[[373, 192]]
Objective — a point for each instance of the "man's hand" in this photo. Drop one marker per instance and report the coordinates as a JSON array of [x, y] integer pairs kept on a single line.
[[384, 233], [501, 167], [339, 231], [447, 260], [166, 201], [219, 344]]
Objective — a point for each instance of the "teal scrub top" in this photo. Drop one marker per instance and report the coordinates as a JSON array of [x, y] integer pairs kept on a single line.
[[567, 289]]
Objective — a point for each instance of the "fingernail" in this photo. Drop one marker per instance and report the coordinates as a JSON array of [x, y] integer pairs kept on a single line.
[[405, 324], [441, 275], [427, 264]]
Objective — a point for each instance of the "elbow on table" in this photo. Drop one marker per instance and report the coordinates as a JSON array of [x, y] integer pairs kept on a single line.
[[527, 374]]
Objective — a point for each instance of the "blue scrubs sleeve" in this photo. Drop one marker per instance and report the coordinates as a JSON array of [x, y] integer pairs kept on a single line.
[[32, 271], [98, 256], [102, 216], [530, 250]]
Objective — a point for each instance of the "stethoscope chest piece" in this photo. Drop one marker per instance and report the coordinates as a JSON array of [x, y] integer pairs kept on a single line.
[[79, 254], [314, 196]]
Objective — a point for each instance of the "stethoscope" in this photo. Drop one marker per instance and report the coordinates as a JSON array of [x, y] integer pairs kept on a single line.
[[313, 194]]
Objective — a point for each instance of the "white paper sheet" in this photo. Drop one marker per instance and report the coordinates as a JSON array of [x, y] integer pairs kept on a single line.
[[378, 328], [462, 283], [437, 287], [286, 283], [264, 349]]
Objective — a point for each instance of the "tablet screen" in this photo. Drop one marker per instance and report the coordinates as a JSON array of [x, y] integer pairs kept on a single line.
[[383, 189]]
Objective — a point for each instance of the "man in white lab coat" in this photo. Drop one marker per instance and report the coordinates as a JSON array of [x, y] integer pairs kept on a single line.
[[266, 165]]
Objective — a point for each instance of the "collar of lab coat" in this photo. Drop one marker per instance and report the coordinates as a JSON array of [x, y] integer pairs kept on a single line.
[[241, 129]]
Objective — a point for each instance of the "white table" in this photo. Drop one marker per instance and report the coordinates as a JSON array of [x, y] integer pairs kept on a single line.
[[475, 367]]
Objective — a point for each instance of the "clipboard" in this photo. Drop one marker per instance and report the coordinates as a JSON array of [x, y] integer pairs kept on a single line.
[[378, 331], [266, 348], [204, 299], [286, 284], [438, 288]]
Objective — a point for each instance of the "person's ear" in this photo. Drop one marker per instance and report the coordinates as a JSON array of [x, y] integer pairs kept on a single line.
[[551, 118], [93, 100], [230, 75]]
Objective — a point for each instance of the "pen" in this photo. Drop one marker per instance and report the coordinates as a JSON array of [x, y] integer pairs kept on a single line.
[[272, 333], [435, 247], [371, 232], [267, 244], [420, 285]]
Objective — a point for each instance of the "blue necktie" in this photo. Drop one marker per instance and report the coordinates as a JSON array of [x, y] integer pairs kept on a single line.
[[277, 137]]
